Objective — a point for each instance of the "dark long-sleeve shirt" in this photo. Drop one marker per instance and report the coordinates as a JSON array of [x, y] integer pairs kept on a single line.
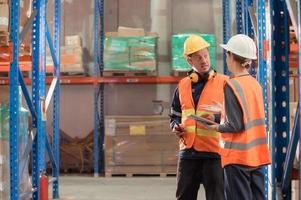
[[233, 112], [175, 118]]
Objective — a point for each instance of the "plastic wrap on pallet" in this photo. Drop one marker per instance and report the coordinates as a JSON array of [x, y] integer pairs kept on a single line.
[[130, 53], [140, 145], [179, 63], [25, 184]]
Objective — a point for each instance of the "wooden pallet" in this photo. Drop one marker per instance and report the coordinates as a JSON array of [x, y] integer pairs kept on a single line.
[[140, 175], [117, 73], [178, 73]]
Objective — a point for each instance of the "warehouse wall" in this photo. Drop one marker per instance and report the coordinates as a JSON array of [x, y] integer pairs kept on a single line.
[[162, 16]]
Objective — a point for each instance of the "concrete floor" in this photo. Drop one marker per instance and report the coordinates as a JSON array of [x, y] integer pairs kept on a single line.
[[119, 188]]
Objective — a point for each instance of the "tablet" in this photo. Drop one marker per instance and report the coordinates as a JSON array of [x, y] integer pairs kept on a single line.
[[202, 120]]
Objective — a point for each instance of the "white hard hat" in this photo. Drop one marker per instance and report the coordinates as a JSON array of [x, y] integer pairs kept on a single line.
[[241, 45]]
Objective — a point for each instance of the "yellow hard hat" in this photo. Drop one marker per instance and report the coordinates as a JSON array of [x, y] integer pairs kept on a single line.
[[193, 44]]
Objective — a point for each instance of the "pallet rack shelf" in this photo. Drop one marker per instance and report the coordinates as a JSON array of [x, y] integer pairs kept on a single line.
[[38, 145]]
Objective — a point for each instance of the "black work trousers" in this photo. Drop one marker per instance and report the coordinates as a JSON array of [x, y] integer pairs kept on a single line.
[[243, 182], [193, 172]]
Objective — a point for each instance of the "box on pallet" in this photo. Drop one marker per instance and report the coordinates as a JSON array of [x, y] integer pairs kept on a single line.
[[4, 17], [130, 32], [4, 38], [296, 88], [131, 139], [130, 53], [72, 59], [179, 63], [73, 40], [293, 88], [25, 185]]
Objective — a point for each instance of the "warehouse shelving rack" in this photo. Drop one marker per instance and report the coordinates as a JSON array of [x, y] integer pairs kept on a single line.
[[99, 132], [277, 117], [38, 143], [273, 75]]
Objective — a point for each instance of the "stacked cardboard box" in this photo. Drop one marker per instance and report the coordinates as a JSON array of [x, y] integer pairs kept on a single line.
[[140, 145], [179, 63], [4, 151], [4, 23], [294, 96], [25, 12], [4, 16], [72, 55], [130, 49], [25, 185]]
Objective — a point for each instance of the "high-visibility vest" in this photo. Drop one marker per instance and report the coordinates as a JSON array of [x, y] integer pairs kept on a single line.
[[249, 147], [196, 136]]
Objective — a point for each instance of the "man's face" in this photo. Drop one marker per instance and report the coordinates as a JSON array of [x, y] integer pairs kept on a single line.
[[200, 60]]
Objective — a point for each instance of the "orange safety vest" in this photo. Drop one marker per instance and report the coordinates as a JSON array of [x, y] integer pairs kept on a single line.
[[249, 147], [197, 136]]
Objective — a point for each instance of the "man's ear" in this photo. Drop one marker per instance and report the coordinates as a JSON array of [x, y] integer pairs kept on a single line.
[[189, 61]]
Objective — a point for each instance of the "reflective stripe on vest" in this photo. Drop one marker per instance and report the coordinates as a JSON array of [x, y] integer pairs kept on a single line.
[[241, 146], [173, 112], [201, 132]]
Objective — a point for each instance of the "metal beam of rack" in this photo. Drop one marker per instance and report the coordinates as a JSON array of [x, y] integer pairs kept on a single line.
[[262, 71], [226, 29], [36, 104], [99, 134], [280, 94]]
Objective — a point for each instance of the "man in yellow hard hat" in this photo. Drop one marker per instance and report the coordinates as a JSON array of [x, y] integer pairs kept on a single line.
[[199, 159]]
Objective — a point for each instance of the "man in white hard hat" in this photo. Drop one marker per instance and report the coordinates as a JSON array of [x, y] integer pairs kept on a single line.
[[244, 149], [199, 159]]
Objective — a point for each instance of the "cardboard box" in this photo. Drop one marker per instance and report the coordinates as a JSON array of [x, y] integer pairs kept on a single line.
[[130, 32], [76, 68], [121, 125], [4, 38], [4, 17], [291, 89], [73, 40], [295, 190], [4, 94], [25, 12], [71, 55], [293, 109], [69, 59], [296, 92]]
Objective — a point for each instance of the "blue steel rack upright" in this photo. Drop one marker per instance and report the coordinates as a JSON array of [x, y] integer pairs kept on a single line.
[[280, 93], [226, 29], [99, 139], [39, 102], [262, 71]]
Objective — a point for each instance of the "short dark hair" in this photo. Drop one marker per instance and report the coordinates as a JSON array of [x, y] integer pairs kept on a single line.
[[239, 59]]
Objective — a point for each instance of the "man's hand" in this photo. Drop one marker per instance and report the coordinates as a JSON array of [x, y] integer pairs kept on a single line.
[[178, 130]]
